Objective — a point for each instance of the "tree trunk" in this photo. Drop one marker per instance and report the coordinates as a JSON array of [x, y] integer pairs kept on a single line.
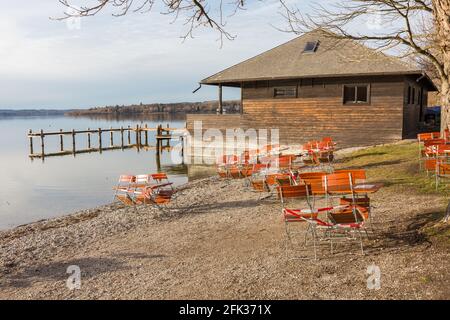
[[445, 106], [441, 9]]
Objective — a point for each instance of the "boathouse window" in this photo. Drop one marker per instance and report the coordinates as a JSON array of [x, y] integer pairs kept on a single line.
[[356, 93], [285, 92], [311, 46]]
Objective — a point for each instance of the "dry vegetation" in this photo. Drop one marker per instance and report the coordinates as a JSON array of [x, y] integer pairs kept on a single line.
[[222, 242]]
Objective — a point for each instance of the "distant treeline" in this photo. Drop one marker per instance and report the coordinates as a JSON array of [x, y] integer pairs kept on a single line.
[[182, 107], [31, 113]]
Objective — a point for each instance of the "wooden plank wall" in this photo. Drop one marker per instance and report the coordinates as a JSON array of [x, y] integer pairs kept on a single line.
[[318, 111]]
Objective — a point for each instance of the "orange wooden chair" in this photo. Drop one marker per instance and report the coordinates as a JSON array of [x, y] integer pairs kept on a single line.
[[430, 166], [349, 219], [295, 215], [314, 180], [156, 196], [357, 175], [124, 184], [442, 171]]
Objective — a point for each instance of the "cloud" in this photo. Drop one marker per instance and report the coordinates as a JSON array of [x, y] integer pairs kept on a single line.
[[140, 57]]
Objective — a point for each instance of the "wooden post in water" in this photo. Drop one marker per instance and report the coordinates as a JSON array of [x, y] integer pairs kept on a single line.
[[129, 135], [137, 138], [31, 142], [100, 140], [121, 137], [89, 138], [61, 141], [146, 135], [111, 138], [73, 142], [158, 139], [42, 144], [158, 147], [182, 149]]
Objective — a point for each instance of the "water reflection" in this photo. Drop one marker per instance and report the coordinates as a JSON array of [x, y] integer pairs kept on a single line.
[[60, 185]]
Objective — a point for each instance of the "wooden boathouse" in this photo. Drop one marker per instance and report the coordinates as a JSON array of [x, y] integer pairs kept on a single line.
[[317, 85]]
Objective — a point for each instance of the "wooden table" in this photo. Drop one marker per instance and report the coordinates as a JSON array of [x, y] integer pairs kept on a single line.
[[367, 187]]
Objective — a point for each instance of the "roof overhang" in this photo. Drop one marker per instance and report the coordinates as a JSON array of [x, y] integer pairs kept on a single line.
[[238, 82]]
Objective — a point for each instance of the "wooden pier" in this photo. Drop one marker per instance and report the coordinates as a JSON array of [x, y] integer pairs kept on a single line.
[[163, 137]]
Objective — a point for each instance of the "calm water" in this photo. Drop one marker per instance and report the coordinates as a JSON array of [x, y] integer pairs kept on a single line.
[[34, 190]]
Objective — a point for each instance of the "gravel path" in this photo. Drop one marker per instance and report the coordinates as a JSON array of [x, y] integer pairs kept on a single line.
[[220, 242]]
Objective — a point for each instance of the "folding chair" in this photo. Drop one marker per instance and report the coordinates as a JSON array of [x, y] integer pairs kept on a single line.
[[442, 171], [430, 166], [124, 184], [295, 215], [347, 219]]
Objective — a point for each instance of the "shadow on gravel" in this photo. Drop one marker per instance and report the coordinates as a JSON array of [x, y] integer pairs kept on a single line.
[[205, 208], [57, 271], [401, 234]]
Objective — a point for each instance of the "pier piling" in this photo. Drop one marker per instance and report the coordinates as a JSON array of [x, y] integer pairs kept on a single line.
[[162, 133]]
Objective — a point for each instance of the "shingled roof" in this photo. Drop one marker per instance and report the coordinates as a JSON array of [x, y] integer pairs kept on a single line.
[[333, 58]]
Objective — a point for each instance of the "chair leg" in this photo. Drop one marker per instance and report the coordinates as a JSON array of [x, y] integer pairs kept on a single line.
[[315, 247], [306, 234], [361, 242]]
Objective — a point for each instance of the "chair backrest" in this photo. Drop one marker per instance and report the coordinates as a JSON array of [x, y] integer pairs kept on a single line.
[[338, 183], [430, 164], [160, 177], [143, 178], [441, 148], [433, 142], [124, 179], [314, 181], [298, 191], [282, 161], [311, 175], [358, 175], [428, 136], [443, 168]]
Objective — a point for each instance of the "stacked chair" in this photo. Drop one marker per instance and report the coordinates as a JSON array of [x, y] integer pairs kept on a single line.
[[434, 155], [152, 189]]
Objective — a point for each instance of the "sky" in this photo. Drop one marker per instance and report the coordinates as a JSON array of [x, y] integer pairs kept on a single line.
[[106, 60]]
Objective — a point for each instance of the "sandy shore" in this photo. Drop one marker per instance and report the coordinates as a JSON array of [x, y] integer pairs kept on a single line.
[[219, 241]]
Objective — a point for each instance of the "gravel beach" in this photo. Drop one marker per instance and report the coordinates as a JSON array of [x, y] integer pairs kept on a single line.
[[218, 241]]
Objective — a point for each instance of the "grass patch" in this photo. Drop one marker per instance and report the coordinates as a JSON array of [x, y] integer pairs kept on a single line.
[[395, 165]]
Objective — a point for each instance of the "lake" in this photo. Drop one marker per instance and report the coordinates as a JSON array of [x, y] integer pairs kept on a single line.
[[35, 189]]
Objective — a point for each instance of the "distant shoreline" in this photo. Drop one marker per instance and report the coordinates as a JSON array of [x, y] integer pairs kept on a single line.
[[232, 106]]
